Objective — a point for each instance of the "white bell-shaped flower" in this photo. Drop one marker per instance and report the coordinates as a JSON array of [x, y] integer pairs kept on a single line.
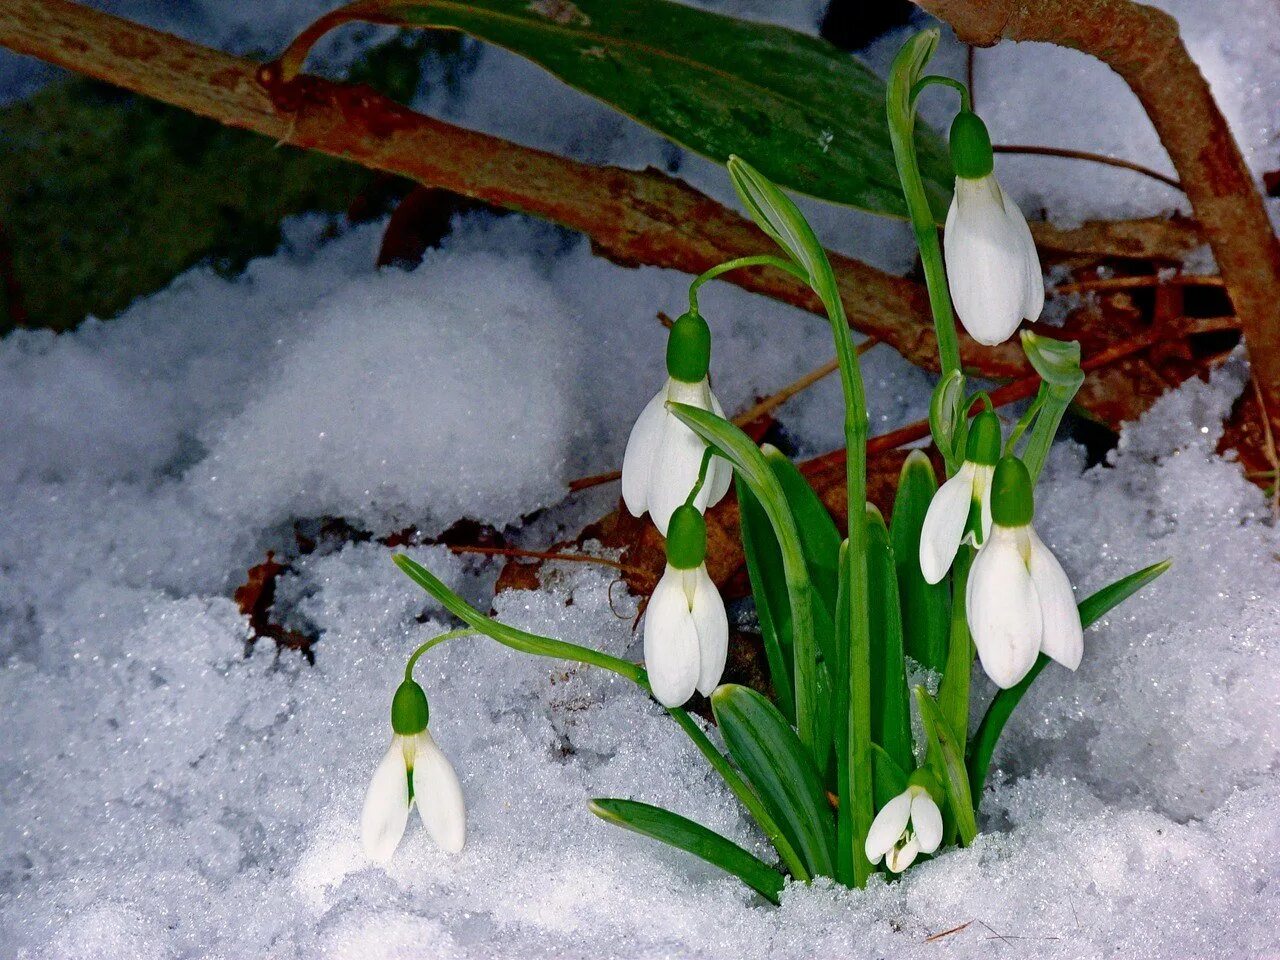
[[686, 631], [412, 771], [993, 270], [908, 825], [663, 456], [1019, 601], [961, 509]]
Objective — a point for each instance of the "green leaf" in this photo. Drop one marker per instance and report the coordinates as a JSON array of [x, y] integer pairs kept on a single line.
[[819, 537], [890, 710], [678, 831], [890, 778], [925, 606], [540, 646], [769, 590], [807, 616], [781, 769], [946, 756], [1092, 609], [805, 113]]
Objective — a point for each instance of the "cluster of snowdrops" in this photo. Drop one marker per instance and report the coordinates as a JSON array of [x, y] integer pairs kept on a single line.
[[829, 768]]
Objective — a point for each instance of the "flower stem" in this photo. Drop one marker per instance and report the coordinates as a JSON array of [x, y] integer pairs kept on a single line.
[[539, 646], [759, 260], [434, 641], [702, 477], [905, 84]]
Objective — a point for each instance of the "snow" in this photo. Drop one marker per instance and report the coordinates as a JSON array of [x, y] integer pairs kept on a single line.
[[168, 794]]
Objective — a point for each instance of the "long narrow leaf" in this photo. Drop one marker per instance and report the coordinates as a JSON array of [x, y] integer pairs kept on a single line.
[[736, 447], [807, 114], [890, 709], [925, 606], [769, 590], [947, 757], [1092, 608], [780, 769], [680, 832], [819, 538], [540, 646]]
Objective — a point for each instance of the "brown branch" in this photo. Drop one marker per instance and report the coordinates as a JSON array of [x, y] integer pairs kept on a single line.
[[1023, 149], [1142, 44], [632, 217]]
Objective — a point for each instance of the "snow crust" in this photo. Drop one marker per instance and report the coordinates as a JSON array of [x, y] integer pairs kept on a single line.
[[167, 795]]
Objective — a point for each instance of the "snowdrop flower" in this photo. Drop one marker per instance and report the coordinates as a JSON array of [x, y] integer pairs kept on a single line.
[[686, 632], [1019, 600], [664, 456], [413, 770], [961, 509], [993, 270], [905, 827]]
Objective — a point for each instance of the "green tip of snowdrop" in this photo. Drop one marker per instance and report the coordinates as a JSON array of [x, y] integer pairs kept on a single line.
[[971, 154]]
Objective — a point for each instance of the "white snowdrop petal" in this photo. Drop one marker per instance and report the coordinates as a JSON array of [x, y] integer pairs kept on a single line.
[[944, 522], [1032, 275], [1003, 609], [926, 821], [985, 262], [678, 458], [1063, 635], [712, 624], [439, 796], [887, 827], [671, 655], [899, 858], [642, 447], [386, 806], [982, 475], [720, 473]]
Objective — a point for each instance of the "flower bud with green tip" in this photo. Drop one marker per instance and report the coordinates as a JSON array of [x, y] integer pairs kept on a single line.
[[1019, 601], [663, 456], [413, 770], [993, 270], [908, 825], [686, 631], [961, 509]]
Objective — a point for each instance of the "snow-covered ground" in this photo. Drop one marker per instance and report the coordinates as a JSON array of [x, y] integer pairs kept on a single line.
[[164, 795]]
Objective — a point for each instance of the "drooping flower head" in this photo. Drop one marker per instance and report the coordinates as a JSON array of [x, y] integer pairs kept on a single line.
[[908, 825], [1019, 601], [663, 456], [961, 509], [686, 632], [993, 270], [413, 770]]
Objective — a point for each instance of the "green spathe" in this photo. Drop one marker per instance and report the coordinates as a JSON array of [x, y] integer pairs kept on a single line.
[[984, 439], [971, 154], [409, 710], [686, 538], [1012, 502], [689, 348]]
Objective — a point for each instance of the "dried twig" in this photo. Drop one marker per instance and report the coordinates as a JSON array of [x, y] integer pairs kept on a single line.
[[1024, 149], [1142, 44], [1138, 283]]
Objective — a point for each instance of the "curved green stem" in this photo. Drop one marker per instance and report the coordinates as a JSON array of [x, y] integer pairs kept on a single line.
[[702, 476], [531, 643], [758, 260], [434, 642], [905, 84], [917, 88]]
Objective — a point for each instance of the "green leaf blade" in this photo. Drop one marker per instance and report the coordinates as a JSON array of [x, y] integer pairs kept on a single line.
[[1092, 609], [781, 769], [925, 606], [890, 708], [946, 756], [684, 834], [807, 114]]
